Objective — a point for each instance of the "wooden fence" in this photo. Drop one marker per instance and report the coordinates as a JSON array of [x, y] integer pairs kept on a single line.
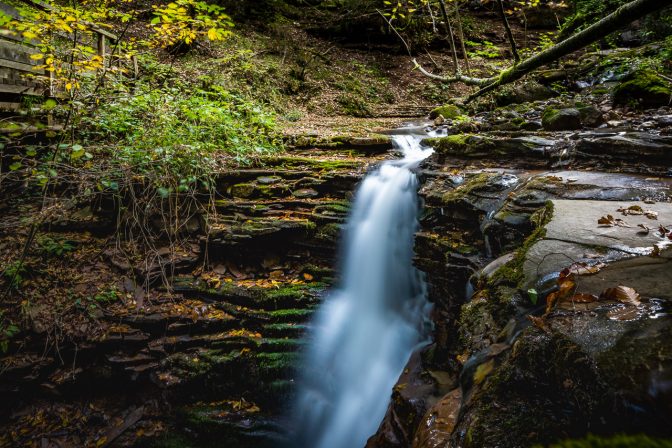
[[16, 64]]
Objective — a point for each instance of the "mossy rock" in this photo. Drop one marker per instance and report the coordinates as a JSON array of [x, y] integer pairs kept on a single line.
[[566, 119], [526, 398], [245, 191], [523, 93], [449, 111], [643, 88], [476, 146]]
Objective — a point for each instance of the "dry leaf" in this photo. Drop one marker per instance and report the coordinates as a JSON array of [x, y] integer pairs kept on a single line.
[[632, 210], [610, 221], [645, 231], [606, 221], [583, 268], [623, 294], [540, 323]]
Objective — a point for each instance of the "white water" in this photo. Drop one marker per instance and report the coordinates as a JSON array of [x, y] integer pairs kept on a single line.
[[366, 330]]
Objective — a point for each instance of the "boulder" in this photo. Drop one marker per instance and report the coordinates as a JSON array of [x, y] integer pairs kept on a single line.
[[567, 119], [643, 88]]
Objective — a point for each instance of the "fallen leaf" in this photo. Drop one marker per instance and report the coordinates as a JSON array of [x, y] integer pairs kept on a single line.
[[483, 370], [606, 221], [583, 268], [540, 323], [307, 277], [651, 214], [662, 230], [632, 210], [610, 221], [655, 252], [623, 294], [645, 230]]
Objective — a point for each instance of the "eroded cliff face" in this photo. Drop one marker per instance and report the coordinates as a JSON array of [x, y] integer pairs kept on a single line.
[[520, 224], [207, 355]]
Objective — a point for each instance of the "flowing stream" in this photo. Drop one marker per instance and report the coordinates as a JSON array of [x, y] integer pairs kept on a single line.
[[367, 328]]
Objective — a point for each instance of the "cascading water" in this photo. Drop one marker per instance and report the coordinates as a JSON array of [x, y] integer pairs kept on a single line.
[[366, 330]]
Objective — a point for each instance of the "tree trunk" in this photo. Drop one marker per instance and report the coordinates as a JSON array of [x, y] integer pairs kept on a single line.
[[461, 33], [509, 34], [614, 21], [449, 30]]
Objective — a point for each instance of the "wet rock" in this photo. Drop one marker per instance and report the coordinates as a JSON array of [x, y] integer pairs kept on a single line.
[[243, 190], [268, 180], [439, 422], [305, 193], [411, 398], [561, 119], [591, 116], [630, 146], [574, 234], [479, 146]]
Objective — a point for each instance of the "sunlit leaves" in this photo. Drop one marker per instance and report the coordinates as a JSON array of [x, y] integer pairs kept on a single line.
[[186, 21]]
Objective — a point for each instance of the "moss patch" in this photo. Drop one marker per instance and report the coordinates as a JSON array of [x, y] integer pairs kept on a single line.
[[643, 88], [449, 111]]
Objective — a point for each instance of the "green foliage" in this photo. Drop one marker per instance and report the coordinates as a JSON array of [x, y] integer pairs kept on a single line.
[[7, 331], [354, 105], [185, 21], [181, 134], [484, 49], [54, 247], [106, 296], [14, 273]]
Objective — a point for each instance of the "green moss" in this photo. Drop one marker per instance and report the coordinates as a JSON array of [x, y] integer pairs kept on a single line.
[[282, 361], [512, 272], [449, 111], [291, 314], [644, 88], [475, 183], [329, 232], [549, 114], [243, 190]]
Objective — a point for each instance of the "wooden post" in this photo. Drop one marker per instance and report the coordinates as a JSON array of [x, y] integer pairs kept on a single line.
[[136, 71], [101, 47]]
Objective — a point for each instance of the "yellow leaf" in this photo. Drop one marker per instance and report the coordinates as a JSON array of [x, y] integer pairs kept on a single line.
[[36, 56], [212, 34], [68, 86]]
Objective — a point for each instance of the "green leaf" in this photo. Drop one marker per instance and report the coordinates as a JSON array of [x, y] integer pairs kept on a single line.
[[49, 104], [77, 152], [163, 192], [15, 166], [533, 295]]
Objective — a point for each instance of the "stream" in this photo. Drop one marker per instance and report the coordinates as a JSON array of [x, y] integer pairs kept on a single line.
[[367, 328]]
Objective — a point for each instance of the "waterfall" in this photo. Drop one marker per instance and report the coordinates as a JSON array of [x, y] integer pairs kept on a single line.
[[366, 330]]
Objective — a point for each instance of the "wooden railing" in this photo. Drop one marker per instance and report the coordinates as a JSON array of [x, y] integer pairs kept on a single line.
[[16, 64]]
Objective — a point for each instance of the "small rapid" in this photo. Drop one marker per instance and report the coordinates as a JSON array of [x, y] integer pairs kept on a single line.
[[367, 328]]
